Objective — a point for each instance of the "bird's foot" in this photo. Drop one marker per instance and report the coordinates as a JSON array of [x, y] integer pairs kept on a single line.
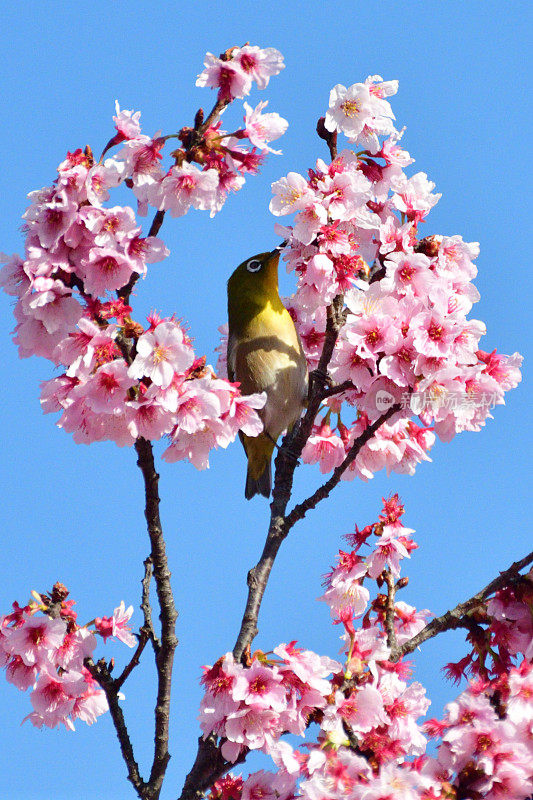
[[318, 381]]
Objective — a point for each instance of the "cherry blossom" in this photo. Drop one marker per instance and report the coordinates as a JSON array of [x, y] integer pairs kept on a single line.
[[117, 625], [161, 353], [263, 128], [184, 187], [127, 122]]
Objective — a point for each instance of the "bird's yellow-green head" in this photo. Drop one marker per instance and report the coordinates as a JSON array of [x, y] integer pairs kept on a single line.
[[251, 287]]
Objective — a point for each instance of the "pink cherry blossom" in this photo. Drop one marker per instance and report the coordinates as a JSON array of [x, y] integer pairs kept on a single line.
[[127, 122], [226, 76], [413, 196], [35, 639], [260, 685], [92, 703], [348, 109], [106, 388], [52, 304], [290, 194], [117, 625], [185, 187], [101, 178], [20, 674], [54, 696], [263, 128], [49, 217], [161, 353], [106, 269], [325, 448], [260, 64]]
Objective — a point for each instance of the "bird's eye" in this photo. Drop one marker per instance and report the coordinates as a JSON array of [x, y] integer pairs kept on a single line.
[[254, 265]]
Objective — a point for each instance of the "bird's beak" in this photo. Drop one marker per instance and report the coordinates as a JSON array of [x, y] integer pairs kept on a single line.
[[277, 250]]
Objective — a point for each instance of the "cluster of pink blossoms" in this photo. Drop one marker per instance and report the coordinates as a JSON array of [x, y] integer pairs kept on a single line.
[[406, 339], [47, 654], [121, 380], [371, 744]]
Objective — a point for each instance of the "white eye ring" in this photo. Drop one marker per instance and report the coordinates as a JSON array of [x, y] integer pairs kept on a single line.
[[254, 265]]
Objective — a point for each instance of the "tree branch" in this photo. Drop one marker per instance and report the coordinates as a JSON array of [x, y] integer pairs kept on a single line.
[[125, 292], [130, 666], [165, 654], [299, 511], [147, 630], [101, 674], [156, 564], [207, 768], [145, 605], [458, 617], [389, 610]]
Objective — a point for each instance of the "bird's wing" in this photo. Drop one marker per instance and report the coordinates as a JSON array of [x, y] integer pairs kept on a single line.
[[268, 364]]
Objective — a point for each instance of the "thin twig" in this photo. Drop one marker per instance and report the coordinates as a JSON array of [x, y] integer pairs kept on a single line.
[[101, 674], [458, 617], [126, 672], [146, 632], [125, 292], [299, 511]]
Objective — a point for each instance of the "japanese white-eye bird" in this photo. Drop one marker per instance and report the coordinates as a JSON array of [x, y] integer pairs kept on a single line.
[[264, 355]]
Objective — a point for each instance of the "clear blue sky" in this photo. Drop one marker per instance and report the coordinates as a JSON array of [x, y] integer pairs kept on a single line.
[[74, 514]]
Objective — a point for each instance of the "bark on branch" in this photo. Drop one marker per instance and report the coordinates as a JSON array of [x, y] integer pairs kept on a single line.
[[459, 617], [165, 652]]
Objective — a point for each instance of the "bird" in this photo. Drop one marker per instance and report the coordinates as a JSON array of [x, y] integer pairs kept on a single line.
[[265, 354]]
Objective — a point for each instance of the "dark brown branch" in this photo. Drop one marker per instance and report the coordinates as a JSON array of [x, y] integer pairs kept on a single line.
[[337, 389], [125, 292], [389, 610], [299, 511], [207, 768], [147, 630], [168, 615], [164, 648], [134, 661], [458, 617], [217, 109], [257, 582], [101, 674], [145, 605]]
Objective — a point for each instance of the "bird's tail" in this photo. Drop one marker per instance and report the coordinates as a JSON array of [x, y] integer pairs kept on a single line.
[[259, 450]]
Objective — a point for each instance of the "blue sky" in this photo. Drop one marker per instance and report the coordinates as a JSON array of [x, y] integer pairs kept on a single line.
[[74, 513]]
